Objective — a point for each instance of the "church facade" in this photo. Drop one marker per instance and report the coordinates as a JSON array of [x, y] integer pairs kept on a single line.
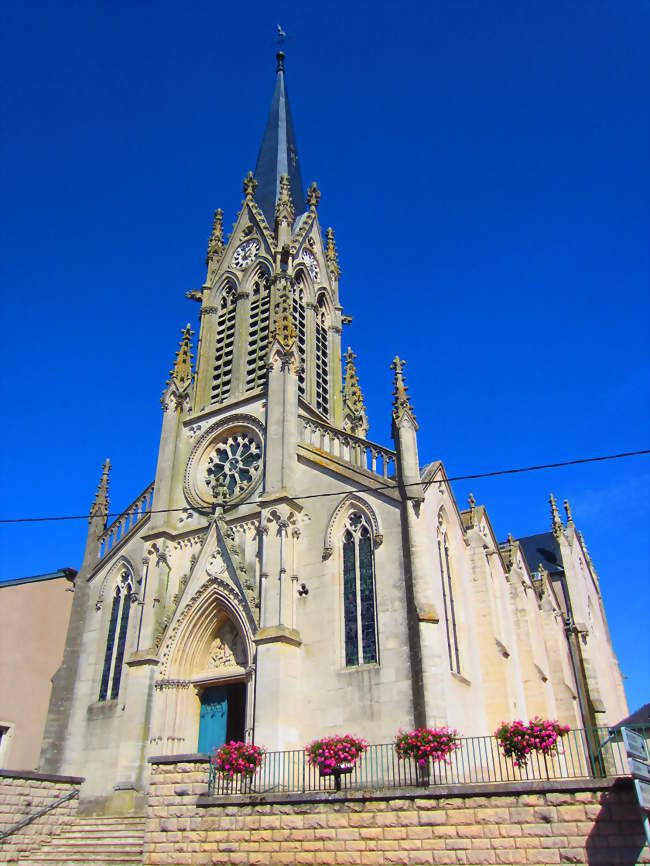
[[284, 577]]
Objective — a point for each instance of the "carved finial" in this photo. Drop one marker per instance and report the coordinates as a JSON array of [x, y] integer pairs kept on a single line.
[[511, 540], [99, 508], [332, 255], [313, 196], [567, 508], [283, 329], [284, 209], [401, 401], [354, 411], [556, 520], [181, 372], [215, 244], [472, 509], [250, 185], [585, 549]]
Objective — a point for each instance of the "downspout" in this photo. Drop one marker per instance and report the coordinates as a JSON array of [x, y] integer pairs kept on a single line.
[[588, 723]]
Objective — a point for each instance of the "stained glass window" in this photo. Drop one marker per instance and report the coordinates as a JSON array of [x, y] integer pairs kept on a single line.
[[359, 593], [114, 655], [121, 643], [108, 656]]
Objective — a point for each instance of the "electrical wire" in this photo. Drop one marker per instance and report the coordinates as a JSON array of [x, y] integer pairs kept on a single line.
[[365, 489]]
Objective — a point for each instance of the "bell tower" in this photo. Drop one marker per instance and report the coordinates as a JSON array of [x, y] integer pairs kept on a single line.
[[276, 242]]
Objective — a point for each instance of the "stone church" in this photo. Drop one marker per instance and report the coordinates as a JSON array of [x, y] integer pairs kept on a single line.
[[285, 577]]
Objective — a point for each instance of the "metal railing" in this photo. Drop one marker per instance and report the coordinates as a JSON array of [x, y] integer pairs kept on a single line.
[[477, 761]]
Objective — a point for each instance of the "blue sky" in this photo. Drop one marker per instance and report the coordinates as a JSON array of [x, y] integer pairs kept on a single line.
[[485, 167]]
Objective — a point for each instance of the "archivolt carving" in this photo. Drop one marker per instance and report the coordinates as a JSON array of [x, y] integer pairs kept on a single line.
[[350, 503], [227, 598], [122, 564]]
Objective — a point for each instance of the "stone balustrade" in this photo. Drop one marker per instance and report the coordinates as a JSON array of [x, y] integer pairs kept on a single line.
[[119, 530], [352, 449]]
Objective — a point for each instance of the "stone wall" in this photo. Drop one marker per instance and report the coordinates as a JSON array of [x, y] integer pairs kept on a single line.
[[23, 794], [594, 822]]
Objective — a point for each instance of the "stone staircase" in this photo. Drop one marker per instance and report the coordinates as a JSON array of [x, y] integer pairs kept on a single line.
[[95, 841]]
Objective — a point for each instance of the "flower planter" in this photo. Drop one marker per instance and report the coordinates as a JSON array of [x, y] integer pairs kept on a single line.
[[335, 756], [336, 773], [423, 746]]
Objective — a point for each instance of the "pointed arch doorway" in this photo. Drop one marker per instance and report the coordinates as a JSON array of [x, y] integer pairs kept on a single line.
[[206, 692], [222, 689]]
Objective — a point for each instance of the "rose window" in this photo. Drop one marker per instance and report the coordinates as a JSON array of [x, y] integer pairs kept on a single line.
[[233, 465]]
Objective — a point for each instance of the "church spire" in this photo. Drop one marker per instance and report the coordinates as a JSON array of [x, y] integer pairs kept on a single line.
[[278, 154]]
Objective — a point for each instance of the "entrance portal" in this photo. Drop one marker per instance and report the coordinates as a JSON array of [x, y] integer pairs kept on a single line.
[[222, 717]]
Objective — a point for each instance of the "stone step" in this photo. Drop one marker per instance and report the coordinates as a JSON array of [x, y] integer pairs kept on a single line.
[[99, 834], [93, 841], [76, 859]]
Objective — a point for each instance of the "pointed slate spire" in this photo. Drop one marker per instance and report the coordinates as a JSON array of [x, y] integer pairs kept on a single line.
[[354, 410], [99, 508], [278, 153]]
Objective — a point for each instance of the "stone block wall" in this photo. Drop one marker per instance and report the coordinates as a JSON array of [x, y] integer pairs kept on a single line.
[[583, 822], [23, 794]]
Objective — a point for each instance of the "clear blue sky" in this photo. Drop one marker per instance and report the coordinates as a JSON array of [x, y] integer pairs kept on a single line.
[[485, 167]]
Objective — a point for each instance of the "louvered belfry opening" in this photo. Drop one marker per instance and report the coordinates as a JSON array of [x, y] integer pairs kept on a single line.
[[225, 343], [258, 331]]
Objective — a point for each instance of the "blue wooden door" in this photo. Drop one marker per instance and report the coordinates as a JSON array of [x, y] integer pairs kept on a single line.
[[213, 718]]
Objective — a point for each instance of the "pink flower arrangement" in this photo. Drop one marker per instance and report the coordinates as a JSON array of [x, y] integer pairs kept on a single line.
[[424, 744], [237, 759], [330, 753], [518, 740]]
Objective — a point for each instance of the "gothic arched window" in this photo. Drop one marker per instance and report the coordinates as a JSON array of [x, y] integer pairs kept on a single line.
[[298, 313], [258, 331], [224, 344], [117, 627], [448, 597], [322, 357], [359, 608]]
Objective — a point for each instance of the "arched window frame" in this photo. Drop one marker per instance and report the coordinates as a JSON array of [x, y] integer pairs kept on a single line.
[[224, 341], [118, 627], [448, 595], [358, 590]]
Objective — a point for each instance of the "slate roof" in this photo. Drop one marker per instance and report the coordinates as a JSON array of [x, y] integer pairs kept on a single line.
[[639, 718], [542, 548], [278, 153], [68, 573]]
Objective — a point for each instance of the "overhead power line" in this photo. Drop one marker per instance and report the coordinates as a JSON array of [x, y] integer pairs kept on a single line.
[[365, 489]]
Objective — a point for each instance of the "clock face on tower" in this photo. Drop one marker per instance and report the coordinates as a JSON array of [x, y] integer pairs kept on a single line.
[[310, 260], [245, 253]]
